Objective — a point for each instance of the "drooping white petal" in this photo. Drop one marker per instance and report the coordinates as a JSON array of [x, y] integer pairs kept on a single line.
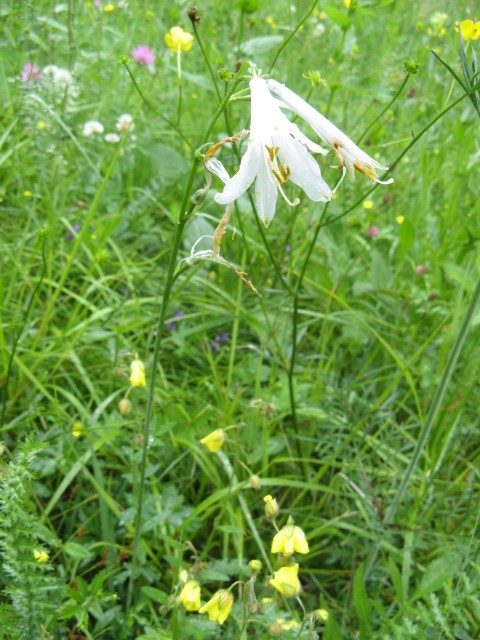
[[216, 167], [347, 151], [239, 183], [266, 191], [304, 171]]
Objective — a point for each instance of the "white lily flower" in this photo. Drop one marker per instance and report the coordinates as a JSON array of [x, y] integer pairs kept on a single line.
[[350, 156], [277, 151]]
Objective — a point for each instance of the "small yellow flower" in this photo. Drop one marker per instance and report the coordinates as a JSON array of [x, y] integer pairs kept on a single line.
[[40, 556], [219, 606], [290, 539], [214, 441], [469, 29], [321, 615], [190, 596], [77, 429], [178, 40], [109, 7], [137, 373], [368, 204], [400, 219], [27, 193], [347, 3], [286, 581], [287, 625], [41, 124], [271, 506]]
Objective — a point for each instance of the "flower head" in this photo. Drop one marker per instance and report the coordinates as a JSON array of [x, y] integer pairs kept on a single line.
[[40, 556], [214, 440], [91, 127], [30, 72], [143, 54], [78, 429], [271, 506], [286, 581], [469, 29], [190, 596], [137, 373], [125, 123], [219, 606], [350, 156], [277, 151], [290, 539], [112, 138], [178, 40]]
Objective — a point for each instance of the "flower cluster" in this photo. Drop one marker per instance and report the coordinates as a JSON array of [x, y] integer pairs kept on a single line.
[[124, 124]]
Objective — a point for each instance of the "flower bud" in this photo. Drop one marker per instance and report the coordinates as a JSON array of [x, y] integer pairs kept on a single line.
[[255, 482], [255, 566], [271, 506], [125, 406], [137, 373]]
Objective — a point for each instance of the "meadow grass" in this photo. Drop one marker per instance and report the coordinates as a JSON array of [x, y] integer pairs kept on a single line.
[[347, 390]]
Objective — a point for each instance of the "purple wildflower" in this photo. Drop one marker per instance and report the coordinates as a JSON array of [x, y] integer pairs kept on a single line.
[[143, 54], [76, 229], [31, 72], [178, 314]]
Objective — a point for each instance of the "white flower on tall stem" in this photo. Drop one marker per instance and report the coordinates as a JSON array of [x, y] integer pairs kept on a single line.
[[277, 151], [350, 156]]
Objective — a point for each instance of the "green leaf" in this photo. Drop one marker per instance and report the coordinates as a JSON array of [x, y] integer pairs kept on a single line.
[[257, 46], [155, 594], [332, 630], [361, 603], [338, 16], [76, 551], [438, 573]]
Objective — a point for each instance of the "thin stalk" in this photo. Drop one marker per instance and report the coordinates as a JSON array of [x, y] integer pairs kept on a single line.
[[180, 85], [292, 34], [207, 60], [186, 211], [430, 420], [384, 110]]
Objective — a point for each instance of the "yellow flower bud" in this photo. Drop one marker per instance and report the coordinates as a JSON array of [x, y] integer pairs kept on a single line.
[[190, 596], [125, 406], [214, 440], [183, 576], [178, 40], [77, 429], [271, 506], [255, 482], [286, 581], [289, 540], [219, 606], [255, 566], [40, 556], [321, 615], [137, 374]]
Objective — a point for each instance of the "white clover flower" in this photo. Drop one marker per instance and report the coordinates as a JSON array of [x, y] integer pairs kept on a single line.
[[277, 151], [125, 123], [50, 70], [62, 76], [350, 156], [92, 127], [112, 138]]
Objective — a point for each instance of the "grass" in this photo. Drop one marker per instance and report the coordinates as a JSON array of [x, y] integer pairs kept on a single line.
[[348, 390]]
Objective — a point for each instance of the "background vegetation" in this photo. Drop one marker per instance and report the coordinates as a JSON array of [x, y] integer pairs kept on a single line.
[[324, 390]]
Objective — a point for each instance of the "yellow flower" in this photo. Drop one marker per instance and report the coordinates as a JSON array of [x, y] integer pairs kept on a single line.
[[368, 204], [321, 615], [400, 219], [178, 40], [27, 193], [214, 441], [109, 7], [41, 124], [290, 539], [40, 556], [190, 596], [77, 429], [469, 29], [286, 581], [347, 3], [137, 374], [255, 566], [287, 625], [271, 506], [219, 606]]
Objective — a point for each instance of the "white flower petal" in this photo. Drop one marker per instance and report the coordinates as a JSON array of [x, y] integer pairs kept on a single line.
[[266, 191], [304, 171], [239, 183]]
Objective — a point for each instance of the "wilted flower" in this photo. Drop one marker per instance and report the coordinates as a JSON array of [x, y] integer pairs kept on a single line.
[[30, 72], [290, 539], [91, 127], [219, 606], [277, 151], [350, 156], [143, 54], [40, 556], [137, 373], [190, 596], [125, 123], [286, 581], [214, 440], [178, 40]]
